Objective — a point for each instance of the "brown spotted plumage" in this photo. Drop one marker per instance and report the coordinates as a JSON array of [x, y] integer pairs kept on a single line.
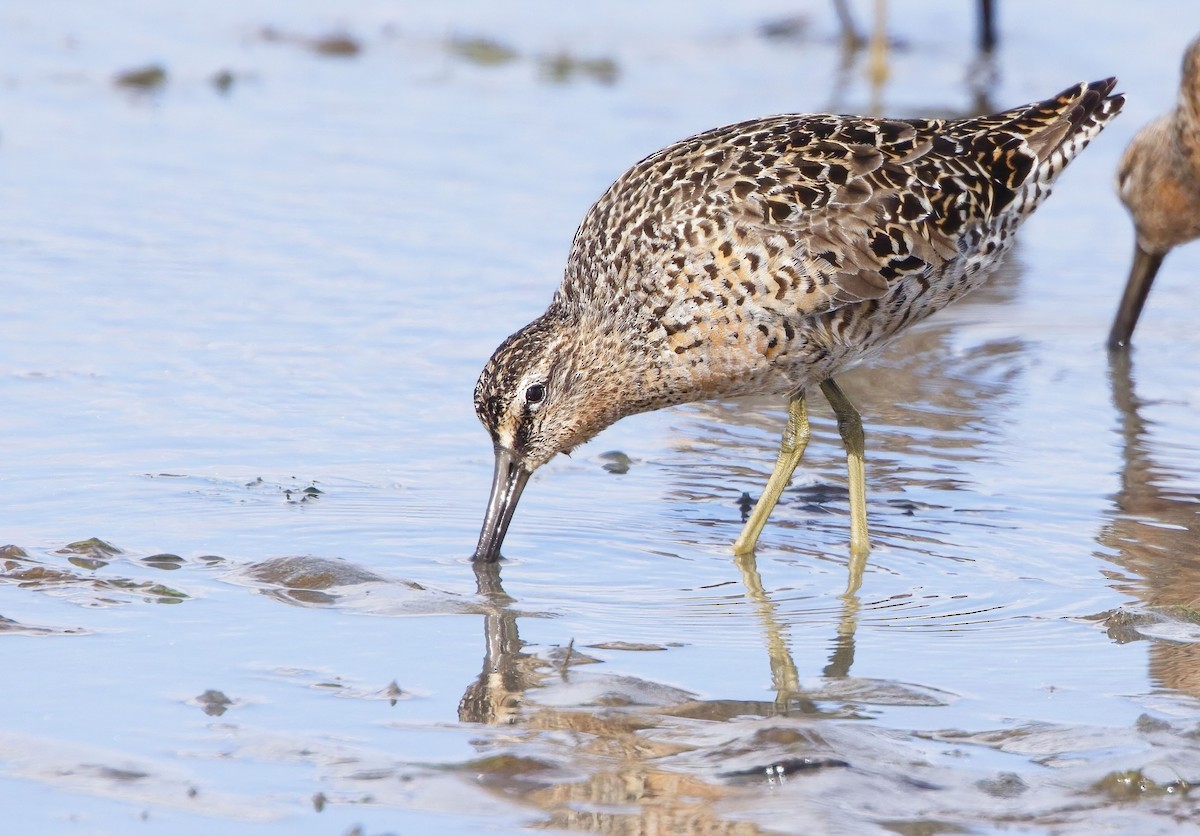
[[1158, 180], [765, 257]]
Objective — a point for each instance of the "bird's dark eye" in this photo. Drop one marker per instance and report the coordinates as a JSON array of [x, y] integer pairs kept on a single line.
[[535, 394]]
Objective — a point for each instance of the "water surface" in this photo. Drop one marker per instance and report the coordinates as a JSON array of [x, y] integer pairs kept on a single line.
[[244, 310]]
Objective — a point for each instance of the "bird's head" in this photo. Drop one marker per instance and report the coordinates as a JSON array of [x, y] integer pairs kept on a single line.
[[542, 393]]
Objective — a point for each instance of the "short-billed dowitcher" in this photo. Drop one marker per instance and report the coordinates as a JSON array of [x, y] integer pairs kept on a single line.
[[1159, 183], [763, 258]]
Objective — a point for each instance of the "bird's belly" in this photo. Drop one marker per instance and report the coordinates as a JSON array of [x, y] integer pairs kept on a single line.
[[757, 348], [752, 351]]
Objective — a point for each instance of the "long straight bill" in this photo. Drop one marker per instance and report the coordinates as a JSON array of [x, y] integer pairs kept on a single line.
[[507, 483], [1141, 276]]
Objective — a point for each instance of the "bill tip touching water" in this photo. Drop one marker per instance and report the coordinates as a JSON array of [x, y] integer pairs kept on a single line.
[[766, 257], [1158, 180]]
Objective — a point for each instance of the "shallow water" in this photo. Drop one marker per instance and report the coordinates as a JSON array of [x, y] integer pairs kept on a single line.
[[242, 475]]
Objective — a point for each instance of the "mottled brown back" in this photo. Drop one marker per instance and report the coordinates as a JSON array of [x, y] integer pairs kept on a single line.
[[837, 207]]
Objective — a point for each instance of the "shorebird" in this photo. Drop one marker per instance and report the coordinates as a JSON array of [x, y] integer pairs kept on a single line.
[[1158, 180], [764, 258]]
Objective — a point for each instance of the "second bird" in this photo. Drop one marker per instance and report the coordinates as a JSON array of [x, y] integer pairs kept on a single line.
[[1158, 180], [764, 258]]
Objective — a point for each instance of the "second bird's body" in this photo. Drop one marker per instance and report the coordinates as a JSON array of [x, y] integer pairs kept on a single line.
[[1158, 180], [763, 258]]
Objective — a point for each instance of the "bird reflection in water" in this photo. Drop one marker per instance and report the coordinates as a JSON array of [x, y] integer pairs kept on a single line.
[[1152, 535], [609, 742]]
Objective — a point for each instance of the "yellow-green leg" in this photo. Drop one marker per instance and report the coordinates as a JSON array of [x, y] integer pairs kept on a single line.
[[850, 428], [791, 448]]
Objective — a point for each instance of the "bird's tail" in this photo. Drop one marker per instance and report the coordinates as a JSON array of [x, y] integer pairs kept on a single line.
[[1061, 127], [1047, 135]]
